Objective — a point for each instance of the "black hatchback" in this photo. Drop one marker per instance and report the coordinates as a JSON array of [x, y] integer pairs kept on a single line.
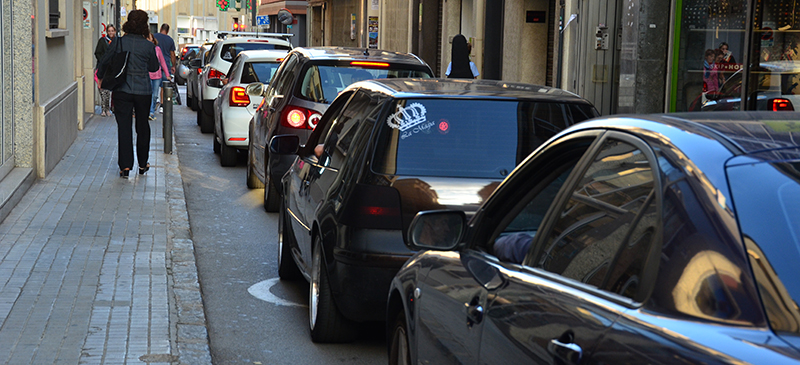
[[385, 150], [300, 91], [666, 239]]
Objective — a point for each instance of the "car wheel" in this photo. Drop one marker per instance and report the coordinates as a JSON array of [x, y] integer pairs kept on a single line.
[[217, 146], [287, 268], [199, 116], [327, 324], [194, 104], [227, 156], [189, 101], [206, 122], [271, 195], [398, 351], [252, 180]]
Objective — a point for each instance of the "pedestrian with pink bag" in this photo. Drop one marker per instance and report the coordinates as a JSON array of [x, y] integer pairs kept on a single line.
[[156, 78]]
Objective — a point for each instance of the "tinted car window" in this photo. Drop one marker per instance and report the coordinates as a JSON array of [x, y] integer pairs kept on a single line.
[[342, 132], [231, 50], [321, 84], [774, 252], [460, 137], [614, 195], [259, 71]]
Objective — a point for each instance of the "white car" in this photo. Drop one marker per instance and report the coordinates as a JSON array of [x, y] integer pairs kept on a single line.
[[234, 108], [219, 62]]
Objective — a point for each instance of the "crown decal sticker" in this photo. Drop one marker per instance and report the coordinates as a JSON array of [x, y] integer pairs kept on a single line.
[[407, 117]]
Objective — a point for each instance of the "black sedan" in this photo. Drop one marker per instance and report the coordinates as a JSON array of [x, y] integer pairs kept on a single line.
[[385, 150], [670, 239]]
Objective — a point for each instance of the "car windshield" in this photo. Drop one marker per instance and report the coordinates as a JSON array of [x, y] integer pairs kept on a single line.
[[766, 197], [231, 50], [259, 71], [468, 137], [322, 84]]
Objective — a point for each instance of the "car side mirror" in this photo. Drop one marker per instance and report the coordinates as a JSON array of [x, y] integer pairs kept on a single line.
[[215, 82], [196, 63], [440, 230], [284, 144], [256, 89], [275, 100]]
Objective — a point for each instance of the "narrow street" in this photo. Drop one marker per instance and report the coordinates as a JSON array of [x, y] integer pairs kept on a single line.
[[252, 316]]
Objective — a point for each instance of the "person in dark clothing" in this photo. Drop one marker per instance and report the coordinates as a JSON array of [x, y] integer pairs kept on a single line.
[[134, 92], [99, 51], [460, 66]]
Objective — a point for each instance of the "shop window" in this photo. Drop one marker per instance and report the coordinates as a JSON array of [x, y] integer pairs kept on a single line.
[[710, 50]]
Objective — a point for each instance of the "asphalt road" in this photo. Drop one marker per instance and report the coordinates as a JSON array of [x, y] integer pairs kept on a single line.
[[253, 318]]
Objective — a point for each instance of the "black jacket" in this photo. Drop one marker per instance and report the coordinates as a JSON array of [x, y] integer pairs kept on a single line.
[[100, 49], [141, 61]]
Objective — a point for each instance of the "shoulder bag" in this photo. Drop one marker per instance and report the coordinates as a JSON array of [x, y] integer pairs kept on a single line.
[[117, 68]]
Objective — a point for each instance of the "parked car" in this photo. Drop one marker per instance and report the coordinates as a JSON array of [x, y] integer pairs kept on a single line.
[[666, 239], [219, 62], [185, 53], [196, 63], [234, 108], [384, 150], [304, 86]]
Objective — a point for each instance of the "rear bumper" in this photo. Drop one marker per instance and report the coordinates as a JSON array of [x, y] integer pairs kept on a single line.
[[235, 125], [361, 282]]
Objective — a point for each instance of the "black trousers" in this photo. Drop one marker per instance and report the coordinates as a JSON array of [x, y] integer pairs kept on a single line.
[[124, 106]]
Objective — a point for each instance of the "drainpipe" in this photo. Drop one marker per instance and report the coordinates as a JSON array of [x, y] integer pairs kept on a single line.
[[560, 51]]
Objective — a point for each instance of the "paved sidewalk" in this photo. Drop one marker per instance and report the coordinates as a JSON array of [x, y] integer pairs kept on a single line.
[[96, 269]]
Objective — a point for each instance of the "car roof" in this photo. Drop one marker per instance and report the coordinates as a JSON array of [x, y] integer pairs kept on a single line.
[[468, 88], [351, 53], [262, 55], [750, 132], [245, 39]]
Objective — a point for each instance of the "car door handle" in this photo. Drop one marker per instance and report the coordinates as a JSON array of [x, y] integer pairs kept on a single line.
[[568, 352], [474, 312]]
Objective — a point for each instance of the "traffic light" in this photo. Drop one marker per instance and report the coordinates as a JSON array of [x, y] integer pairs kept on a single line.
[[223, 5]]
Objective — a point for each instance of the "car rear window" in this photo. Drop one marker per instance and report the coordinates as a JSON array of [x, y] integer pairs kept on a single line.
[[765, 196], [467, 137], [322, 84], [231, 50], [259, 71]]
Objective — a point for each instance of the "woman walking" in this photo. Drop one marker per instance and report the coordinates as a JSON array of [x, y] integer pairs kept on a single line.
[[460, 66], [134, 93], [156, 77], [99, 51]]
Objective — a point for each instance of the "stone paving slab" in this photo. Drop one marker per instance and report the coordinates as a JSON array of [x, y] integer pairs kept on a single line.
[[95, 269]]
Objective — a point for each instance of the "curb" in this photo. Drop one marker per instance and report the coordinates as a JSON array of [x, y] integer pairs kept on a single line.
[[188, 331]]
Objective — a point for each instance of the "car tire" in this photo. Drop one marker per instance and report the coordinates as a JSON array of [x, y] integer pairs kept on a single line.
[[253, 181], [217, 146], [326, 323], [194, 104], [399, 352], [271, 196], [190, 101], [287, 267], [206, 122], [199, 116], [227, 156]]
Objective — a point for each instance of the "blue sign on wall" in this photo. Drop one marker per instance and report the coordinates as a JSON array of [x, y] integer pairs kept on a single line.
[[262, 20]]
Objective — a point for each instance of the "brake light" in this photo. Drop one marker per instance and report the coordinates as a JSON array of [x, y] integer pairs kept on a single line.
[[239, 97], [237, 139], [258, 40], [300, 118], [215, 74], [279, 60], [369, 64], [373, 206], [199, 71], [782, 105], [184, 51]]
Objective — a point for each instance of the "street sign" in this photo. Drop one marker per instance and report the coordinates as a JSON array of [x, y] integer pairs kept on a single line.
[[262, 20]]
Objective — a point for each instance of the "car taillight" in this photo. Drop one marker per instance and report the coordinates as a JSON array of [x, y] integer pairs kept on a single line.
[[779, 105], [239, 97], [215, 74], [373, 206], [301, 118], [199, 71]]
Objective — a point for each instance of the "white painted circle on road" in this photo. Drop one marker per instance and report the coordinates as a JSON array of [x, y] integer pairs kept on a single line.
[[262, 291]]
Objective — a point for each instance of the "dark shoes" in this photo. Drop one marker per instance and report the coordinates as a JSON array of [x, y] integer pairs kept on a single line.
[[142, 170], [124, 173]]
